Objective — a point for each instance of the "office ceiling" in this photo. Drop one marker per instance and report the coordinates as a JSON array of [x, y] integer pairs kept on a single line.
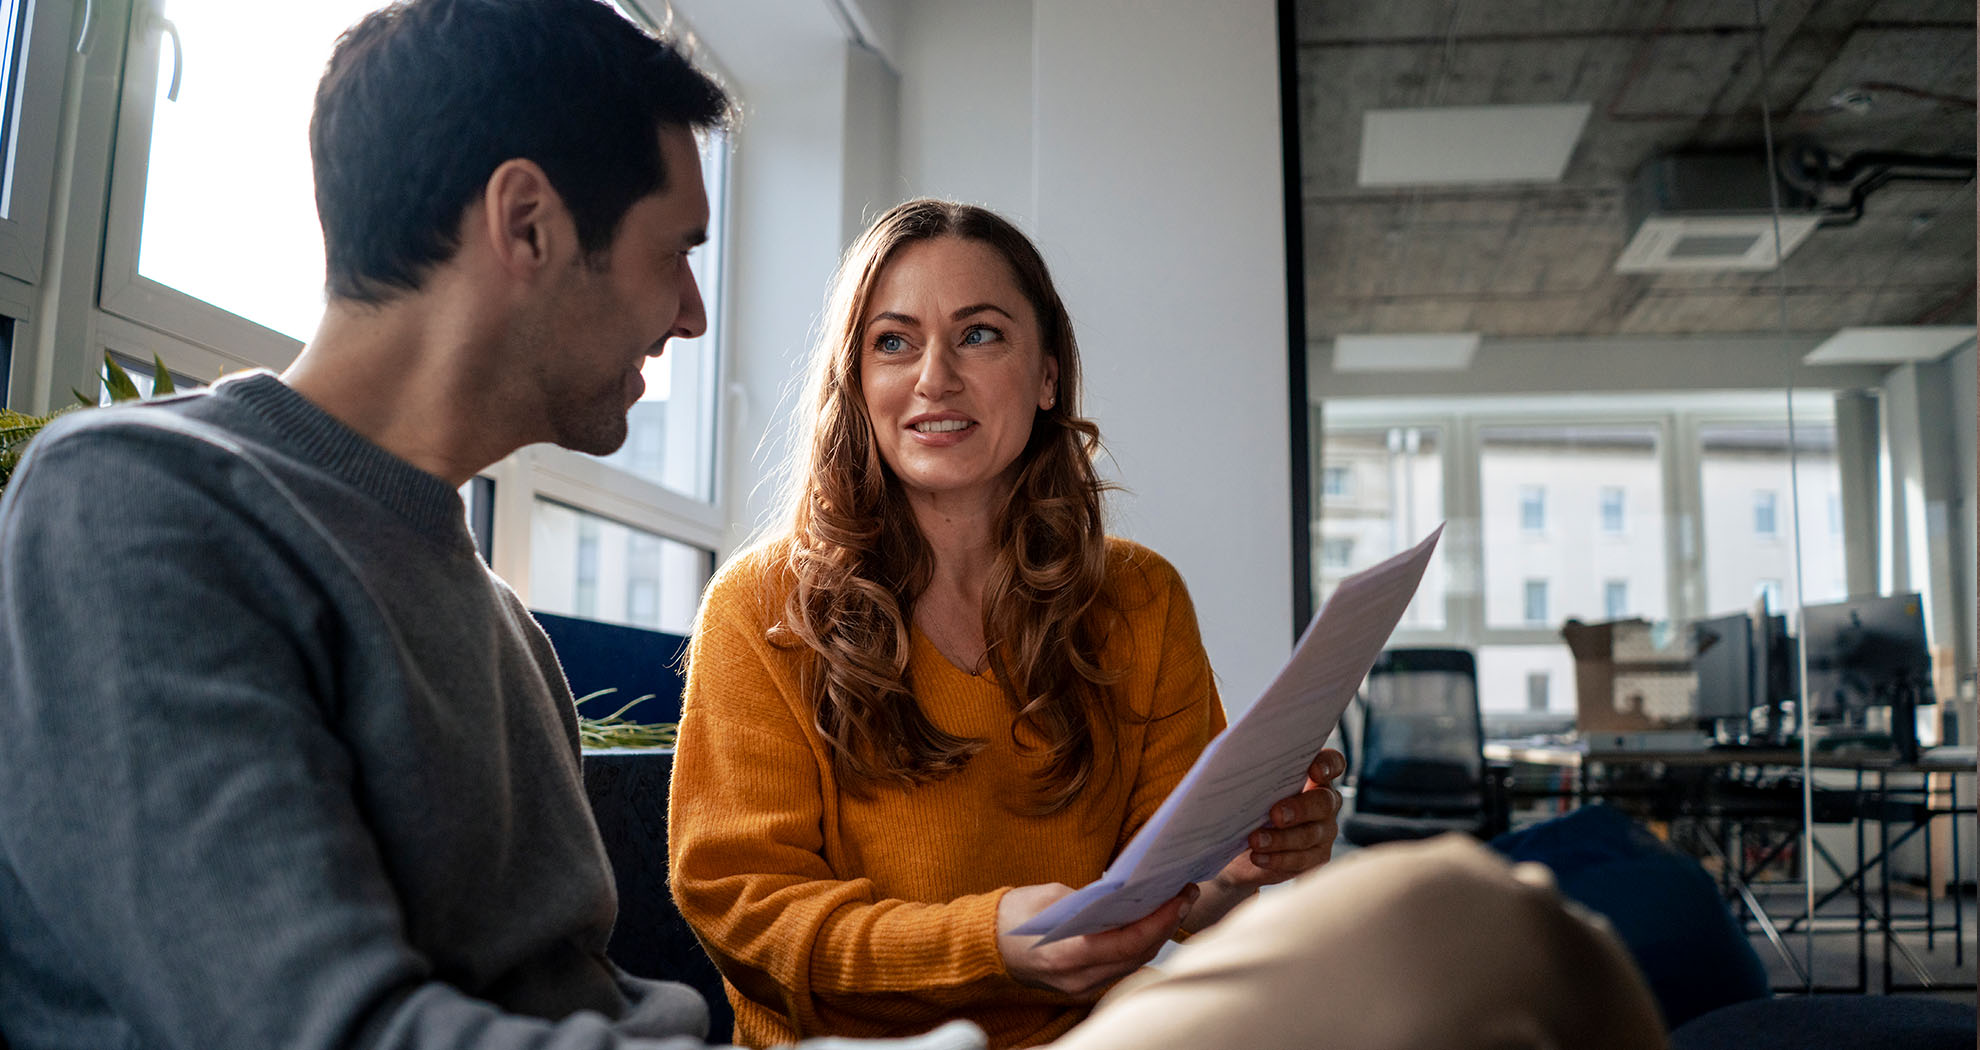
[[1536, 260]]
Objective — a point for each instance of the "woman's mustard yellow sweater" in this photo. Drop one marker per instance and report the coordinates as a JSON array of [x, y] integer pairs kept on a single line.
[[833, 913]]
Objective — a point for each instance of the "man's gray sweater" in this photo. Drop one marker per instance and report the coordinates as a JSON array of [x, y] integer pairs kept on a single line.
[[282, 764]]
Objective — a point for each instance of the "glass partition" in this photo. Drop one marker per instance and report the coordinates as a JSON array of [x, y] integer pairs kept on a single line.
[[1668, 309]]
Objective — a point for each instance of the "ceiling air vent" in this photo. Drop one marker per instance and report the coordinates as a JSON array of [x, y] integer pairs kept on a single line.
[[1711, 211]]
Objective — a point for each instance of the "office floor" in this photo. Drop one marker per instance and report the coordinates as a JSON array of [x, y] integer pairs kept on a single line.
[[1834, 947]]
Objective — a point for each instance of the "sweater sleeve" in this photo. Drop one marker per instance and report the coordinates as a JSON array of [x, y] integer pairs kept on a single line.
[[746, 844], [1185, 711], [177, 817]]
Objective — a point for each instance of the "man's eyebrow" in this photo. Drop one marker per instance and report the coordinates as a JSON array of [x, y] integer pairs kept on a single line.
[[977, 309]]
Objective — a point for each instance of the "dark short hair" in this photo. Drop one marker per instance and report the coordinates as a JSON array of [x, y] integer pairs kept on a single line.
[[424, 99]]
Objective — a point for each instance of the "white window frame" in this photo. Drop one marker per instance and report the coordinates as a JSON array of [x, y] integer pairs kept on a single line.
[[48, 41]]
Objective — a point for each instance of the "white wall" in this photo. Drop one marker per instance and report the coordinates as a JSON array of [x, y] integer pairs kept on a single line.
[[1138, 142], [966, 104]]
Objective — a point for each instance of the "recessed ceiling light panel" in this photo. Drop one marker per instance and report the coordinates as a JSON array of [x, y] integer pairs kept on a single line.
[[1446, 145], [1895, 345], [1405, 353]]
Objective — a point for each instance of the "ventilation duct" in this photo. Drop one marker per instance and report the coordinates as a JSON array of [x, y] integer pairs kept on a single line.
[[1711, 211]]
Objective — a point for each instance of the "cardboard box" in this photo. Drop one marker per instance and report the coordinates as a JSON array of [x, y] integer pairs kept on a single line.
[[1632, 676]]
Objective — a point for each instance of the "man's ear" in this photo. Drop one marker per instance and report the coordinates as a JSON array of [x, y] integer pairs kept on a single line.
[[524, 219]]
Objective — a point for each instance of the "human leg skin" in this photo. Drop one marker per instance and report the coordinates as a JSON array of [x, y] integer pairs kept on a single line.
[[1437, 945]]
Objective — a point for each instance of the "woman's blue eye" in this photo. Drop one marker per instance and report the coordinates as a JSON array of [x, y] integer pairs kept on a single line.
[[980, 334], [890, 344]]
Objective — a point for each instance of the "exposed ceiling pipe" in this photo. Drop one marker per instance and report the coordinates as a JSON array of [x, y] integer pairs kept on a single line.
[[1842, 184]]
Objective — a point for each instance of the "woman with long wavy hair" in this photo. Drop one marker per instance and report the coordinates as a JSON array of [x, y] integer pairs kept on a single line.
[[942, 695]]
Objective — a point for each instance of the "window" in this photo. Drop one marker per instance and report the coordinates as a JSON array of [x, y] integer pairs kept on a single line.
[[1743, 468], [1615, 599], [1536, 601], [1394, 477], [1768, 591], [1537, 686], [213, 234], [1532, 508], [1764, 518], [35, 41], [1336, 482], [582, 564], [1612, 509], [478, 495]]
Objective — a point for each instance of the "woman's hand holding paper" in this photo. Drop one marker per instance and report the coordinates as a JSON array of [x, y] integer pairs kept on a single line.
[[1297, 837], [1087, 965]]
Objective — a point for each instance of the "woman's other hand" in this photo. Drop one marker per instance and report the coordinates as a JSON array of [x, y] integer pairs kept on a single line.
[[1299, 834], [1087, 965]]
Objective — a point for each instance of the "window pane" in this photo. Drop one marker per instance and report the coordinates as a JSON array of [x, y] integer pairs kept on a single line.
[[1533, 508], [581, 564], [1536, 602], [1387, 493], [1615, 599], [1526, 472], [1613, 502], [1744, 483], [670, 431], [13, 22], [230, 216]]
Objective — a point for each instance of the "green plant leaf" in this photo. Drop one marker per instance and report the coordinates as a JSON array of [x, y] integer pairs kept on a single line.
[[118, 381], [161, 380], [85, 402]]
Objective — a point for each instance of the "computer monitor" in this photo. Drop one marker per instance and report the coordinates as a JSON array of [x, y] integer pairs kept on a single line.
[[1869, 652], [1865, 652], [1726, 668]]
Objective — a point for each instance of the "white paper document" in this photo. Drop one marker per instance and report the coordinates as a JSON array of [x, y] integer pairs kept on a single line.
[[1261, 758]]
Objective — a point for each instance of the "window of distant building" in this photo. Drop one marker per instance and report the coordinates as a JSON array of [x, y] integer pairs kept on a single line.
[[1538, 685], [1337, 482], [1615, 599], [1532, 508], [1337, 552], [1766, 513], [1612, 509], [1536, 601]]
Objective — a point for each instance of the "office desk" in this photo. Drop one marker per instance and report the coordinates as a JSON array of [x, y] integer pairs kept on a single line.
[[1737, 795]]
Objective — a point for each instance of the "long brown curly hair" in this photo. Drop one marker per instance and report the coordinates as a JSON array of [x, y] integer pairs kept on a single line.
[[859, 561]]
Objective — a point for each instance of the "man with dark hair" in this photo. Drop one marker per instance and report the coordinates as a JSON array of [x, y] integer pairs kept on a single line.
[[282, 764]]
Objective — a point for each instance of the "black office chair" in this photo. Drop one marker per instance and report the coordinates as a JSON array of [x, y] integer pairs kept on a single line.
[[1422, 758]]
